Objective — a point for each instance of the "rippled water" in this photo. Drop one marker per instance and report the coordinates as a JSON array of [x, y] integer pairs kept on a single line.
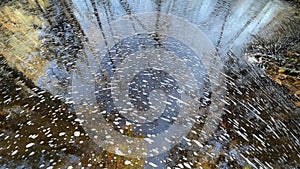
[[141, 84]]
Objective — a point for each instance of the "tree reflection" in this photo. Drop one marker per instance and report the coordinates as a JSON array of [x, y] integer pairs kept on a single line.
[[260, 126]]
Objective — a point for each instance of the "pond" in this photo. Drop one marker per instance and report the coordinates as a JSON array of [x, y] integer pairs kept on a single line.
[[142, 84]]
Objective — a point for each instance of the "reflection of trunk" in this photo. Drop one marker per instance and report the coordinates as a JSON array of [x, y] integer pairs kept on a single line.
[[126, 6], [158, 8], [227, 11], [96, 14]]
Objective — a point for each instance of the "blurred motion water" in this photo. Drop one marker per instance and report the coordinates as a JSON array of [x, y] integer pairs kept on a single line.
[[142, 84]]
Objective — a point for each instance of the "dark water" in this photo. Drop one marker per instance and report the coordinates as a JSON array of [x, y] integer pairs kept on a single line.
[[145, 84]]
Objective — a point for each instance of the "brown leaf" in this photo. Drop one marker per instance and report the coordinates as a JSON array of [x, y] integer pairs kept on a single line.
[[2, 113], [281, 70], [277, 81]]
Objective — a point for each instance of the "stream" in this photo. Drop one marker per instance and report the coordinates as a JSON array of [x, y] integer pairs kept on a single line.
[[141, 84]]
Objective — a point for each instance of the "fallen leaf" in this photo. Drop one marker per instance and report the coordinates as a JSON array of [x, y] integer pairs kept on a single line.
[[277, 81], [290, 53], [2, 113], [281, 76], [281, 70]]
